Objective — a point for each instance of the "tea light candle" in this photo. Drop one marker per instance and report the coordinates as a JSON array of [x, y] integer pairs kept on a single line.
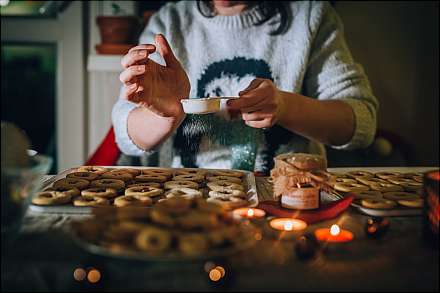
[[286, 228], [333, 235], [288, 224], [250, 213]]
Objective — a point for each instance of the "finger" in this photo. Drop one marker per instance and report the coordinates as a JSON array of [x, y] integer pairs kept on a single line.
[[259, 124], [128, 75], [252, 85], [238, 104], [149, 47], [264, 106], [136, 56], [166, 52], [129, 91], [256, 116]]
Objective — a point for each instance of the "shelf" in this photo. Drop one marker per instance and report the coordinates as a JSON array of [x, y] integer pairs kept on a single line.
[[106, 63]]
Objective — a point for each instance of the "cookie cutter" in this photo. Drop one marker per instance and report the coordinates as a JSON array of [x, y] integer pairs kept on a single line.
[[203, 105]]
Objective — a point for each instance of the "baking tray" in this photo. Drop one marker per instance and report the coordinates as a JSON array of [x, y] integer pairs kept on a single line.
[[395, 212], [248, 183], [388, 213]]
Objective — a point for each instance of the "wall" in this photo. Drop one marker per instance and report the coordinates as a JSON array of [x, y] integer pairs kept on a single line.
[[397, 43]]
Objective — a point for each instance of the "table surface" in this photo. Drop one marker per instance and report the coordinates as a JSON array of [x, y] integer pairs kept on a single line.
[[43, 258]]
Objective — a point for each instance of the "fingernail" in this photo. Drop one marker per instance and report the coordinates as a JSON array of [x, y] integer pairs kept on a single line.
[[142, 53], [140, 68]]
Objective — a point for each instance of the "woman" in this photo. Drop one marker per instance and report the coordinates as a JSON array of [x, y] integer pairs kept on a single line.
[[288, 62]]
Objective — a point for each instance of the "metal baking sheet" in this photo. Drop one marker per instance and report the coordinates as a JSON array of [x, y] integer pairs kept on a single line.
[[248, 182], [395, 212]]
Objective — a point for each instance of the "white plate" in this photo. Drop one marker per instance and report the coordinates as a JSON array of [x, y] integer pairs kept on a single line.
[[248, 182]]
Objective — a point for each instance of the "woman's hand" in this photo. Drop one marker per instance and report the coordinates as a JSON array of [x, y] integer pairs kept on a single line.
[[156, 87], [260, 104]]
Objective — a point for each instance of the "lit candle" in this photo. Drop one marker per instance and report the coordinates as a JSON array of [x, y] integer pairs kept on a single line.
[[285, 228], [333, 235], [250, 213], [288, 224]]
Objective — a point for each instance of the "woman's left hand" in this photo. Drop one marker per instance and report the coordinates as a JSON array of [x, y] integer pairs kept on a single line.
[[260, 104]]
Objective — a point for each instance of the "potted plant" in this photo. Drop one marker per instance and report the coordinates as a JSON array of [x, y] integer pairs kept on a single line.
[[118, 31]]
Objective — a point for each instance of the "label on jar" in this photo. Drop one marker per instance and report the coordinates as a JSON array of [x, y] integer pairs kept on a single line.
[[301, 199]]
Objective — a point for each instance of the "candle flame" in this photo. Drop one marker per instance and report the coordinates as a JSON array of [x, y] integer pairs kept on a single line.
[[334, 230], [288, 226], [250, 213]]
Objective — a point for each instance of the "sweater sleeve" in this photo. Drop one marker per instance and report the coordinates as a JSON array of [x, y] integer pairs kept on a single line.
[[122, 107], [332, 74]]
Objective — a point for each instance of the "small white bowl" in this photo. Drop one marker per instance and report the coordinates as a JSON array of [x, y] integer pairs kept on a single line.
[[201, 106]]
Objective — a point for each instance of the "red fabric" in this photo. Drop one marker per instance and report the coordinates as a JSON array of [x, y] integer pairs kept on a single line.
[[326, 212], [107, 153]]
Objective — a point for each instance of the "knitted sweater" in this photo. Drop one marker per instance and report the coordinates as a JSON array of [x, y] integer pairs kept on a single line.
[[223, 54]]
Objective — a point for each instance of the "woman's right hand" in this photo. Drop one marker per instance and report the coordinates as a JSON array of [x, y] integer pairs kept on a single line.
[[149, 84]]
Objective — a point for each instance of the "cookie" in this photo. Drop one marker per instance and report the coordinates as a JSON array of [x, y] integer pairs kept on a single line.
[[47, 198], [99, 192], [378, 203]]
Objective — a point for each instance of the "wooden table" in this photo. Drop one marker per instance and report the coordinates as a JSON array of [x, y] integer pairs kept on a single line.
[[44, 258]]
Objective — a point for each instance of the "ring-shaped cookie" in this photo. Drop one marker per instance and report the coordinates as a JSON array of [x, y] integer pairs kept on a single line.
[[225, 178], [90, 202], [180, 183], [134, 172], [198, 219], [161, 172], [93, 169], [228, 204], [386, 187], [150, 178], [175, 205], [401, 181], [400, 196], [378, 203], [150, 184], [108, 183], [189, 177], [350, 187], [414, 203], [143, 191], [388, 174], [359, 173], [183, 192], [46, 198], [128, 200], [119, 175], [89, 176], [226, 194], [192, 243], [71, 183], [72, 191], [152, 239], [414, 187], [368, 194], [371, 181], [229, 173], [186, 171], [224, 185], [99, 192]]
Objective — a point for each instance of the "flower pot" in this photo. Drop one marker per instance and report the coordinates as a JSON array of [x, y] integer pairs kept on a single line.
[[118, 29]]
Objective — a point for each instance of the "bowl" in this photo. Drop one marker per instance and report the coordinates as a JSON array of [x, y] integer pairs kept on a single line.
[[17, 188], [204, 105], [201, 106]]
